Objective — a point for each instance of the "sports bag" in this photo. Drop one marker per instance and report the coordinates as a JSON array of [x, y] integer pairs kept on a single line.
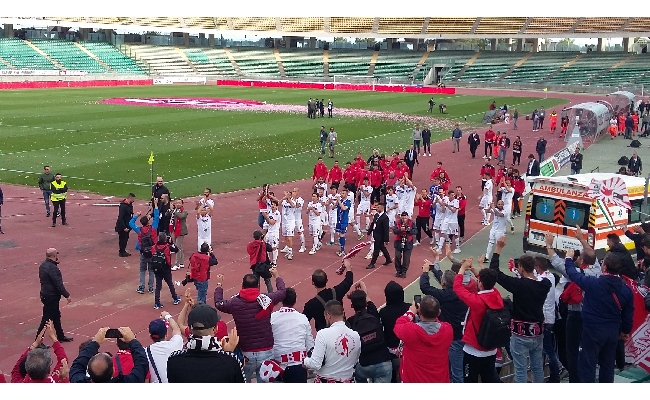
[[370, 331], [495, 329]]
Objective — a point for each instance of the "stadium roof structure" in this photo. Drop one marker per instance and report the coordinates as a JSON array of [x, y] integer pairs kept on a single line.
[[369, 27]]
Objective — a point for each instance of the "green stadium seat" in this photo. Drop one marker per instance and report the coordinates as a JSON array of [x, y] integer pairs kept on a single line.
[[586, 67], [626, 73], [22, 56], [539, 65], [490, 65], [298, 63], [256, 61], [69, 56], [114, 58]]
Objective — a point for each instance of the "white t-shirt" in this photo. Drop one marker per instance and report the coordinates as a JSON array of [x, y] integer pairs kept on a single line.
[[499, 223], [273, 228], [160, 352], [351, 198], [440, 213], [206, 203], [333, 198], [321, 185], [506, 196], [366, 193], [313, 218], [487, 190], [336, 352], [297, 211], [391, 201], [612, 122], [291, 332], [204, 225], [451, 217], [288, 213]]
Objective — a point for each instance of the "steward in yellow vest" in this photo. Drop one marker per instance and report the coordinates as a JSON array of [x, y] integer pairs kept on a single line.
[[59, 189]]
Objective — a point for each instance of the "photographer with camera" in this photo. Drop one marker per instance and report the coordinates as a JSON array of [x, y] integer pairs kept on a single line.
[[200, 264], [161, 265], [404, 230], [258, 250]]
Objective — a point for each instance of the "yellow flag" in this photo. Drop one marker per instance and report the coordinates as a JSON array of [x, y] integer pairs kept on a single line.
[[151, 158], [545, 89]]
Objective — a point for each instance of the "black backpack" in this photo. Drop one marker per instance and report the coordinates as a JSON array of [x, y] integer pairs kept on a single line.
[[623, 161], [635, 143], [159, 260], [495, 329], [370, 331], [146, 243]]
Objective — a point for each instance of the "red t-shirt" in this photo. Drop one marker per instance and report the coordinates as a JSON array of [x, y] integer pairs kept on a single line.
[[424, 207], [462, 204]]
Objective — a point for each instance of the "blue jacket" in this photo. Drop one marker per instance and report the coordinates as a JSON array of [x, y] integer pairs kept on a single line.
[[599, 307], [137, 375], [136, 229]]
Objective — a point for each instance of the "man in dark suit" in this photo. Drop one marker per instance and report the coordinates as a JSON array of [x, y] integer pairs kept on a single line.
[[379, 228], [52, 289], [533, 167], [634, 165], [410, 159], [122, 225]]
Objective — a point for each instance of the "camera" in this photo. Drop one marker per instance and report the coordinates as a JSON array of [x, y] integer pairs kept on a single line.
[[187, 280]]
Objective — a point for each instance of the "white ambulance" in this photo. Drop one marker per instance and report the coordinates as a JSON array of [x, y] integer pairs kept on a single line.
[[559, 204]]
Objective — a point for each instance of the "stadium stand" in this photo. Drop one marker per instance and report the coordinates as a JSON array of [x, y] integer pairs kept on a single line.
[[22, 56], [585, 68], [112, 57], [299, 62], [69, 56], [256, 61], [396, 63], [629, 71], [453, 60], [489, 66], [163, 59], [210, 61], [356, 63], [539, 66]]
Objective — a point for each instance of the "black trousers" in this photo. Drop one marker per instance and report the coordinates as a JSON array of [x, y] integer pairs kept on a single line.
[[472, 149], [426, 143], [541, 123], [515, 201], [58, 205], [516, 158], [402, 259], [329, 112], [51, 311], [294, 374], [488, 149], [461, 226], [167, 277], [422, 224], [376, 195], [411, 171], [123, 240], [473, 367], [380, 247]]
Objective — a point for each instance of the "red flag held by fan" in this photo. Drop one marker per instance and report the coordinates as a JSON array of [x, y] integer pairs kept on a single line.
[[353, 252]]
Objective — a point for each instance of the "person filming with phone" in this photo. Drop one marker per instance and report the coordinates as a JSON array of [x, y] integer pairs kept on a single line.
[[426, 341]]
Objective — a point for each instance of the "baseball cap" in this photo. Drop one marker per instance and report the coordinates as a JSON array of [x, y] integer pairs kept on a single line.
[[203, 316], [157, 329]]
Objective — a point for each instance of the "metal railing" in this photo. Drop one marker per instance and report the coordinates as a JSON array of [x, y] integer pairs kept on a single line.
[[638, 90]]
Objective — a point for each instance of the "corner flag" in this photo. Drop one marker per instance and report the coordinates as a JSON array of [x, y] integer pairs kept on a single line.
[[545, 89], [151, 158]]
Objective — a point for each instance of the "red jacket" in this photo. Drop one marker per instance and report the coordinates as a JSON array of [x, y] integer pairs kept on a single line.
[[478, 304], [320, 171], [362, 173], [59, 351], [383, 164], [488, 169], [490, 136], [425, 357], [335, 174], [199, 267], [376, 178], [462, 204], [436, 174], [394, 161], [424, 207], [360, 162], [519, 184], [350, 175], [391, 181]]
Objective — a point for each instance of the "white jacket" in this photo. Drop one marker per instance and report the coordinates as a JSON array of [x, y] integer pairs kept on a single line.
[[291, 333], [549, 303], [336, 352]]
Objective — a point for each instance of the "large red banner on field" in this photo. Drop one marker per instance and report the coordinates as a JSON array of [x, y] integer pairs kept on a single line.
[[337, 86], [73, 84]]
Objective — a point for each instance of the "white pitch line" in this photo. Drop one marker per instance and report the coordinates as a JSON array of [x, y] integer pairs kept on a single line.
[[518, 104], [279, 158], [78, 178], [76, 145]]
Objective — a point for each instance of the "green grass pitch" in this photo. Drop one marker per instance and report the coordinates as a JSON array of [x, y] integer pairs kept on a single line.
[[104, 148]]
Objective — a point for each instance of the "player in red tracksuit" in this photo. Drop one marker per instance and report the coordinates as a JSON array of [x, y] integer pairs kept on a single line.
[[519, 184], [360, 162], [320, 170], [349, 176], [376, 179], [553, 121], [635, 118], [565, 125], [488, 141], [395, 160], [335, 175], [621, 124], [487, 168], [436, 173]]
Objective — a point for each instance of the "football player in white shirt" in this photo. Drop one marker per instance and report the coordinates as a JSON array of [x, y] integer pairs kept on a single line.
[[324, 216], [320, 183], [373, 211], [498, 227], [351, 220], [288, 224], [364, 195], [315, 209], [438, 201], [272, 229], [507, 194], [299, 203], [485, 200], [392, 205], [204, 227], [449, 226], [206, 202], [332, 201], [406, 195]]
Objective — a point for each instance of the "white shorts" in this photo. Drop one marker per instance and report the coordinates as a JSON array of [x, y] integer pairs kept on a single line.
[[485, 202], [299, 226], [437, 223], [324, 219], [351, 216], [391, 217], [288, 228], [363, 208], [315, 230], [332, 219], [495, 235], [273, 239], [449, 228], [202, 240]]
